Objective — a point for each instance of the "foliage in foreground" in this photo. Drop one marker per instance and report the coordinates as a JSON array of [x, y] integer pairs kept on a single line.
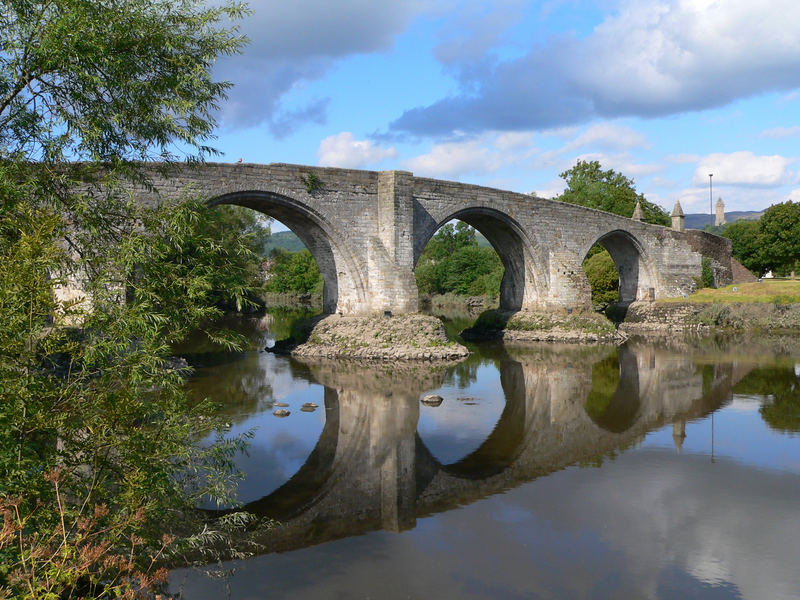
[[87, 393], [98, 443]]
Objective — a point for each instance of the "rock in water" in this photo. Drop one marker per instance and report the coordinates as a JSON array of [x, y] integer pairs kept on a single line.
[[432, 400], [281, 412]]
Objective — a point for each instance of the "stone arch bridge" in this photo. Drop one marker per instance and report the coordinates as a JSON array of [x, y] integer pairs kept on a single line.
[[367, 229]]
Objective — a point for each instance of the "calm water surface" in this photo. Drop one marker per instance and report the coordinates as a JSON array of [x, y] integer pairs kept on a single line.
[[640, 471]]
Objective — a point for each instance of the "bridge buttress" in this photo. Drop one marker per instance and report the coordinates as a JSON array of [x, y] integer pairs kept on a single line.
[[391, 250]]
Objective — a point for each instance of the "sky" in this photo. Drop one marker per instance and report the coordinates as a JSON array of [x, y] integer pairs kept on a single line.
[[509, 93]]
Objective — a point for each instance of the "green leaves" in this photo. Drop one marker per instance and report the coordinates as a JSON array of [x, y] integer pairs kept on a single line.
[[107, 80], [780, 237], [589, 185], [770, 244], [452, 262], [94, 287], [294, 272], [603, 276]]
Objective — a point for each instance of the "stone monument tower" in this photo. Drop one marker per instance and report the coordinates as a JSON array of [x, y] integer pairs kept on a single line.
[[719, 218]]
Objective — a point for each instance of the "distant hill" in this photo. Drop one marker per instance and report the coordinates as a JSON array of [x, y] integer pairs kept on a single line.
[[699, 220], [283, 239]]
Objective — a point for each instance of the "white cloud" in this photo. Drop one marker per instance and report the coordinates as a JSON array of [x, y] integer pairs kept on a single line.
[[622, 163], [476, 156], [562, 132], [608, 135], [781, 132], [646, 59], [551, 189], [514, 140], [454, 159], [743, 168], [794, 195], [663, 182], [695, 200], [342, 150]]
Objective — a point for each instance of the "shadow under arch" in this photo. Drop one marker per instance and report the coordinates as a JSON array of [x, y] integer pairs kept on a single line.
[[513, 245], [613, 403], [301, 491], [636, 276], [502, 446], [337, 267]]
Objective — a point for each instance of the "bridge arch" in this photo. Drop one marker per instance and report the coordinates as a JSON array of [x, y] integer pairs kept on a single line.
[[522, 283], [344, 288], [635, 268]]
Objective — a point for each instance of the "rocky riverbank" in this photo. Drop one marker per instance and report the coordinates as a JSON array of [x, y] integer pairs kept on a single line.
[[401, 337], [642, 318]]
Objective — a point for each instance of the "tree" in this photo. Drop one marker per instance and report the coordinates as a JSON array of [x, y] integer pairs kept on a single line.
[[603, 277], [747, 244], [97, 435], [589, 185], [449, 239], [110, 81], [233, 226], [294, 272], [779, 234], [454, 263]]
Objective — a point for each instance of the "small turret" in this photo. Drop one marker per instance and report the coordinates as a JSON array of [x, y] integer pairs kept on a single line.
[[637, 212], [678, 218]]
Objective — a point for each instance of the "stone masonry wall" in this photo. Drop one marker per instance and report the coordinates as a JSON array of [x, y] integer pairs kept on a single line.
[[367, 229]]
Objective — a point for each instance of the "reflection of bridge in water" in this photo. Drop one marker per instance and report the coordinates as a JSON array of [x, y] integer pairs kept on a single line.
[[371, 470]]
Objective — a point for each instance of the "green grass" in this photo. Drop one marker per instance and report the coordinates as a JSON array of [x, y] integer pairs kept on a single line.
[[771, 292]]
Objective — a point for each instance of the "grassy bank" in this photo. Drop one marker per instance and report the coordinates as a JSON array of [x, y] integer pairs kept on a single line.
[[768, 291]]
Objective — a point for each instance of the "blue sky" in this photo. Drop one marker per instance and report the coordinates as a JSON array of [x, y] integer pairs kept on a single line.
[[509, 94]]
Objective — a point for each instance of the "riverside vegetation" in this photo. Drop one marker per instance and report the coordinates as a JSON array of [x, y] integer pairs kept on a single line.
[[100, 471]]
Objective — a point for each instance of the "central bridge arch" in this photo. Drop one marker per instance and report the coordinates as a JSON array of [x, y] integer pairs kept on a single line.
[[520, 284]]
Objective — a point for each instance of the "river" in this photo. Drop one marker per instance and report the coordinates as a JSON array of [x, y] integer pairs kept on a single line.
[[648, 470]]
